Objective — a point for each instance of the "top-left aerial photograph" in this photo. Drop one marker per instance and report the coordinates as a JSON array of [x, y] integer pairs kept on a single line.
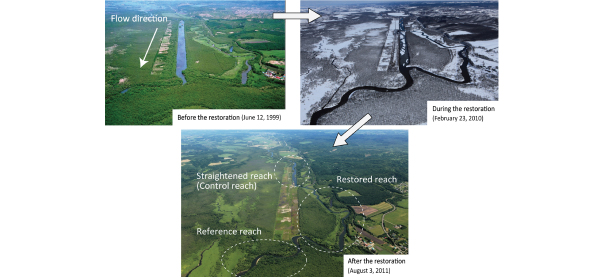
[[165, 55]]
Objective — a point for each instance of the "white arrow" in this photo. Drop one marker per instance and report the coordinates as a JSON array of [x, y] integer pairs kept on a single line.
[[142, 61], [311, 15], [342, 140]]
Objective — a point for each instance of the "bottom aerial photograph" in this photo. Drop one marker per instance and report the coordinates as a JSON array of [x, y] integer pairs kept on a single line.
[[287, 202]]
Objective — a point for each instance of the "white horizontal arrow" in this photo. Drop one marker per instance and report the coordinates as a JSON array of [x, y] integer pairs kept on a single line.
[[342, 140], [311, 15], [142, 61]]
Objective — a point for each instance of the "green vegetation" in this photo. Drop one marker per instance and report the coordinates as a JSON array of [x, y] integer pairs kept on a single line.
[[275, 54], [376, 230], [347, 193], [216, 48], [124, 43], [399, 216], [402, 203], [240, 257], [382, 207], [287, 153], [316, 221], [206, 59], [207, 264], [388, 156], [319, 218]]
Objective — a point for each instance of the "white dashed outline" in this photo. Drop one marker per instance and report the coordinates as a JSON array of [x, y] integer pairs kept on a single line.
[[255, 240]]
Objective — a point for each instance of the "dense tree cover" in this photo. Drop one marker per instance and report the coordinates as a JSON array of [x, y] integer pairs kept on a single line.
[[276, 254], [318, 264], [144, 105], [315, 220], [377, 154], [131, 42]]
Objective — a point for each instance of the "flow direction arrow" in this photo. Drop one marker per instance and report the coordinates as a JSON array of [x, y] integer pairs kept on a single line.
[[143, 61], [311, 15], [342, 140]]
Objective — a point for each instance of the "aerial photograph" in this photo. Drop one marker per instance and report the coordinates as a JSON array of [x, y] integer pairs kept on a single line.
[[287, 203], [390, 58], [165, 55]]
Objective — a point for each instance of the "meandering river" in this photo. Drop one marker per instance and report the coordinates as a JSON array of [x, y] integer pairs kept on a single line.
[[405, 71]]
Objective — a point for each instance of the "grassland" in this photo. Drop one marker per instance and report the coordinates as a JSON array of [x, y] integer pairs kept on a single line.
[[275, 54], [376, 230], [348, 193], [402, 203], [396, 217], [288, 153], [384, 206]]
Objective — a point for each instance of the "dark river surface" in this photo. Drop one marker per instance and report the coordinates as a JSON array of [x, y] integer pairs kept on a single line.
[[181, 53], [293, 176], [245, 73], [405, 71]]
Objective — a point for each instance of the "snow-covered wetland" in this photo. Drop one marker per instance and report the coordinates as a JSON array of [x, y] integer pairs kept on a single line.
[[390, 59]]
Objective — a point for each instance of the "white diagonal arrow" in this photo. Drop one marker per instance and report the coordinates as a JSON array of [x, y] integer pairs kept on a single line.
[[342, 140], [311, 15], [142, 61]]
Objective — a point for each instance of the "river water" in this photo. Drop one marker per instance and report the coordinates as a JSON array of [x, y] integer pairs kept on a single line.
[[405, 71], [245, 74], [293, 176], [181, 53]]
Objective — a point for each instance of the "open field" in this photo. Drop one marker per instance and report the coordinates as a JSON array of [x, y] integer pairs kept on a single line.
[[287, 153], [397, 217], [382, 207], [366, 210], [376, 230], [276, 54], [348, 193]]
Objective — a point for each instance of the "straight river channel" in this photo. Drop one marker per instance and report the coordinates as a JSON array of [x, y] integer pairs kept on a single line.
[[181, 53], [245, 73]]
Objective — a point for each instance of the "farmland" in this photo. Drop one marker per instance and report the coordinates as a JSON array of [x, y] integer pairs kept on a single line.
[[216, 38], [310, 215]]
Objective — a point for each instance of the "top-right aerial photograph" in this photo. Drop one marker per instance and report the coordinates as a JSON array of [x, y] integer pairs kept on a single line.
[[389, 59]]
